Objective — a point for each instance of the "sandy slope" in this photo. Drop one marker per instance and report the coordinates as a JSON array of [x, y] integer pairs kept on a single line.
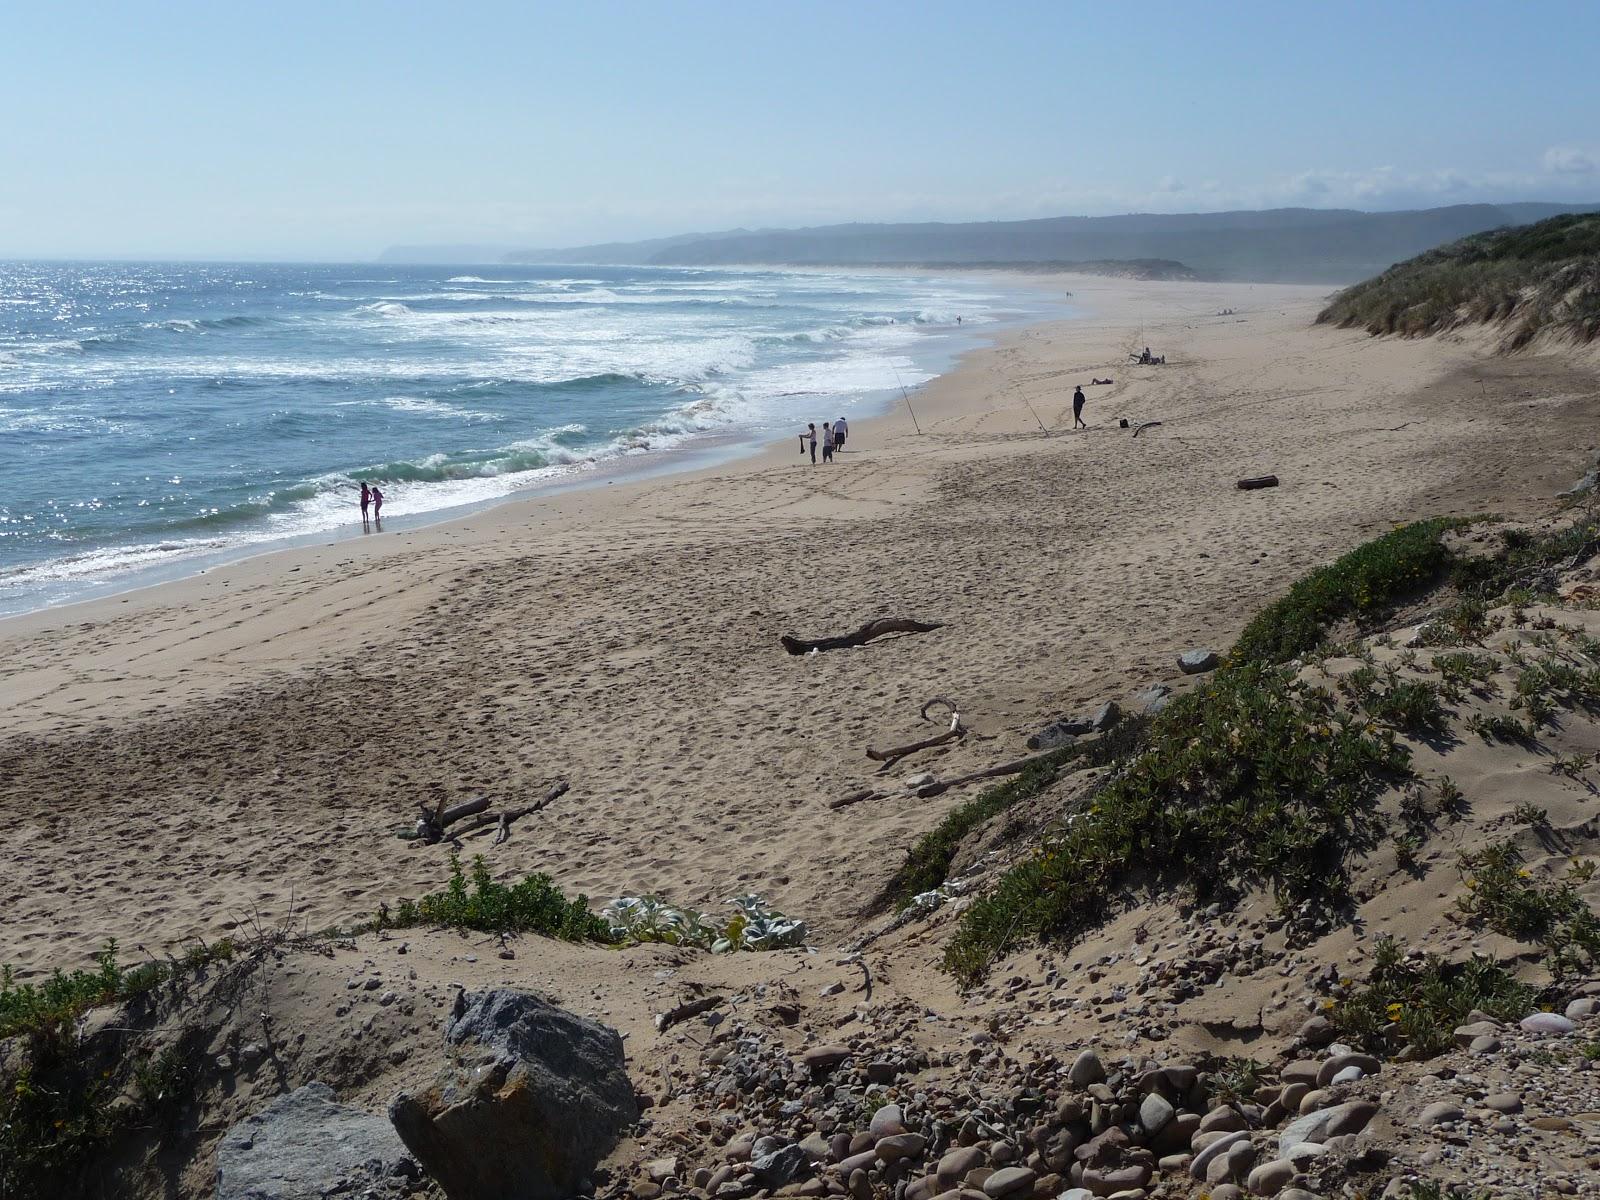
[[175, 758]]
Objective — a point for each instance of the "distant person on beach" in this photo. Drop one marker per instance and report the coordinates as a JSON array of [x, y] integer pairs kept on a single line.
[[366, 499], [377, 505], [1077, 409], [840, 430], [809, 438], [827, 442]]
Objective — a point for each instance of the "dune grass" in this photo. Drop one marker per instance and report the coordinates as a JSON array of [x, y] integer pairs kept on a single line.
[[1536, 278]]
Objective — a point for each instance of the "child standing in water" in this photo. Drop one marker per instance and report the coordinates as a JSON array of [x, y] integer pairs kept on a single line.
[[366, 499], [377, 505]]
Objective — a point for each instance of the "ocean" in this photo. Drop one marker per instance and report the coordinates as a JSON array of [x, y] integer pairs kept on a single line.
[[155, 418]]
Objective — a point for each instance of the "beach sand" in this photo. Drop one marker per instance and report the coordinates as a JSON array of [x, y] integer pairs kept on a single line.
[[180, 758]]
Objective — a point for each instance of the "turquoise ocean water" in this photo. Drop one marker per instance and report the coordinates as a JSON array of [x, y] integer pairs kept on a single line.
[[154, 418]]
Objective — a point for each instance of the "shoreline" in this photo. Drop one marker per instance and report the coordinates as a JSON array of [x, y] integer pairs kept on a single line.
[[706, 450], [187, 753]]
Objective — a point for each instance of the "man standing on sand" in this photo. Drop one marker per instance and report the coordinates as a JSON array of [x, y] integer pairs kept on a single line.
[[839, 431], [1077, 409], [827, 442], [809, 438]]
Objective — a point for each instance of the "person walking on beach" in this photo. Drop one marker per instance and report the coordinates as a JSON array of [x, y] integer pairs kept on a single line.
[[839, 431], [366, 499], [1077, 409], [827, 442], [809, 438], [377, 507]]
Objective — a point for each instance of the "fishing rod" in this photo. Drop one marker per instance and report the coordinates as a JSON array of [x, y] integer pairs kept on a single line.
[[1031, 409], [907, 397]]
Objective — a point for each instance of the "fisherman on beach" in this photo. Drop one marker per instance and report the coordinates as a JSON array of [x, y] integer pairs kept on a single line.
[[809, 438]]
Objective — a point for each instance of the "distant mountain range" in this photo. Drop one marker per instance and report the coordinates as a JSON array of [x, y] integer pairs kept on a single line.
[[1274, 245]]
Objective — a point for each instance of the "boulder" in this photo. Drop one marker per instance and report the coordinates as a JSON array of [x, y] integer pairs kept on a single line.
[[306, 1145], [1547, 1023], [533, 1097], [1319, 1126], [888, 1120], [1155, 1114], [1059, 733], [900, 1145], [1270, 1178], [1197, 662], [1341, 1062], [1086, 1069], [1009, 1181], [780, 1167], [1107, 715], [1154, 698], [1215, 1150], [1107, 1181]]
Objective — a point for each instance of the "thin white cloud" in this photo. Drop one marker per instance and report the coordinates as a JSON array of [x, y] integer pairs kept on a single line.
[[1569, 160]]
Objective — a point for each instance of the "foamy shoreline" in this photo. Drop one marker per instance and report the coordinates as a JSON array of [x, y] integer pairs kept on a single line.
[[113, 571]]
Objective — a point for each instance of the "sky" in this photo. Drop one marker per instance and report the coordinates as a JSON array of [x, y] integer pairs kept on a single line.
[[332, 130]]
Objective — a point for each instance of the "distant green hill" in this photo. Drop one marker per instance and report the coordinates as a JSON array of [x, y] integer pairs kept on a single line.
[[1286, 244], [1539, 279]]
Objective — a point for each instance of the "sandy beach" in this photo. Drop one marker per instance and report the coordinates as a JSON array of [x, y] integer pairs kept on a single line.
[[178, 758]]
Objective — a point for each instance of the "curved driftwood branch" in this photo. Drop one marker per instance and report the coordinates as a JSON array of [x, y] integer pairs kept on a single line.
[[872, 629], [1143, 425], [895, 753]]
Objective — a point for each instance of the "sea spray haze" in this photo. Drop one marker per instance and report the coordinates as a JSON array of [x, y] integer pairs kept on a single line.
[[151, 415]]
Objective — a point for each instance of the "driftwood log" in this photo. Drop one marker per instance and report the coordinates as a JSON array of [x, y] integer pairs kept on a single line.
[[1258, 481], [691, 1008], [503, 820], [434, 825], [858, 797], [433, 822], [1015, 767], [872, 629], [1143, 425]]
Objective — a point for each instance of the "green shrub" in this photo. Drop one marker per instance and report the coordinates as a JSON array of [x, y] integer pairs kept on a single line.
[[1503, 895], [1361, 584], [535, 905], [1251, 779], [1420, 1001], [927, 864]]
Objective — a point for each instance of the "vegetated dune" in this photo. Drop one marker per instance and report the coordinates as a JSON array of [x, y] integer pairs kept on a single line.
[[1536, 280]]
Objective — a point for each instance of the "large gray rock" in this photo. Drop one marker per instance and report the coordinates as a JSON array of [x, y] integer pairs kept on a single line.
[[1350, 1117], [533, 1098], [305, 1146], [1195, 662]]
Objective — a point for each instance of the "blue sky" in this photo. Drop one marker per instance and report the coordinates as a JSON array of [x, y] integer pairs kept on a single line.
[[333, 129]]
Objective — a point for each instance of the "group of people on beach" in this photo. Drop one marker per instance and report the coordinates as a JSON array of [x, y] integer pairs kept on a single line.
[[833, 435], [371, 497]]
